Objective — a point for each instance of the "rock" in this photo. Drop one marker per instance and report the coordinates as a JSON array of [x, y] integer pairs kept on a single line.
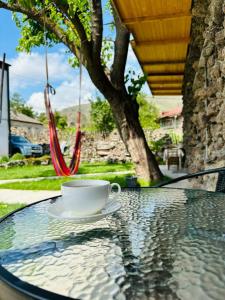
[[214, 72], [219, 38], [104, 146], [222, 68], [209, 49]]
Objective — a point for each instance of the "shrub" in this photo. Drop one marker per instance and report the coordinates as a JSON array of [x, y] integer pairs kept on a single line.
[[4, 159], [44, 160], [157, 146], [32, 161], [17, 156], [175, 137], [45, 157], [36, 162], [15, 163]]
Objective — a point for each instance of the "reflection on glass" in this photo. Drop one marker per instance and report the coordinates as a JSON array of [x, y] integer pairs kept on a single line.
[[162, 244]]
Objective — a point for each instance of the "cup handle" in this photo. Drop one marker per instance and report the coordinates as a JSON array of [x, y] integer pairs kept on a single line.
[[118, 187]]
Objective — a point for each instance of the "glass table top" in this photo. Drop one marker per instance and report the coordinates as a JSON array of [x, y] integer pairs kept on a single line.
[[161, 244]]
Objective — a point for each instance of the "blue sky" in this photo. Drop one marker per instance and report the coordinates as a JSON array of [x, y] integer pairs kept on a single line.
[[27, 74]]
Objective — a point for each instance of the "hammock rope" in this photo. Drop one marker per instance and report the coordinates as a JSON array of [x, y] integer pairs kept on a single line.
[[58, 160]]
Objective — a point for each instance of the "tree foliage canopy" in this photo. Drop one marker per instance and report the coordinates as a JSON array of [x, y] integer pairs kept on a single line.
[[60, 120], [101, 115], [43, 118], [67, 21], [18, 104], [79, 25], [148, 113]]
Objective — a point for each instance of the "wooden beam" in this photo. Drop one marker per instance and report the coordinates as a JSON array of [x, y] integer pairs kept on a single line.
[[166, 74], [164, 81], [166, 93], [160, 63], [132, 21], [184, 40], [174, 85], [167, 88]]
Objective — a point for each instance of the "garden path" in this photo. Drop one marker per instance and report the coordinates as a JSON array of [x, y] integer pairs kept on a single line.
[[27, 197]]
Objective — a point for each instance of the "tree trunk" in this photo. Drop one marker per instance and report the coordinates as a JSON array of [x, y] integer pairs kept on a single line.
[[125, 111]]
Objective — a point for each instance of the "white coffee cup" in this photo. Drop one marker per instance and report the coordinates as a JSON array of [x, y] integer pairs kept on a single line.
[[87, 197]]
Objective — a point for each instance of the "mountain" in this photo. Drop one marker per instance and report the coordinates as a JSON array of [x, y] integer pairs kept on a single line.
[[71, 114], [164, 103]]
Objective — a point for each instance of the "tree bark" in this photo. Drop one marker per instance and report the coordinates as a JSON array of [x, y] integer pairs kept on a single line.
[[125, 111]]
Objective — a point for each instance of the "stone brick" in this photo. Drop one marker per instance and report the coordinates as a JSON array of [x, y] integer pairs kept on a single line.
[[208, 36]]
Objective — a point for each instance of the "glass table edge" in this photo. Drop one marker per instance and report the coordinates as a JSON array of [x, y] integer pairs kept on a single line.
[[22, 286], [32, 290]]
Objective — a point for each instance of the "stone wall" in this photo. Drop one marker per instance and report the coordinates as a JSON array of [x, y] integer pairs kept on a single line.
[[190, 139], [34, 134], [204, 88], [94, 146]]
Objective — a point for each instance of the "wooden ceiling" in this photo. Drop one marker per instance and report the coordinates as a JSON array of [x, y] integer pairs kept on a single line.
[[161, 31]]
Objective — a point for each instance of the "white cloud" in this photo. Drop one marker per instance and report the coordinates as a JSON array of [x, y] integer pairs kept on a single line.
[[131, 57], [27, 74], [132, 63], [28, 70], [67, 94]]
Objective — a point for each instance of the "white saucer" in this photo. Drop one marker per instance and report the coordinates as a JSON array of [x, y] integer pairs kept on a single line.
[[57, 210]]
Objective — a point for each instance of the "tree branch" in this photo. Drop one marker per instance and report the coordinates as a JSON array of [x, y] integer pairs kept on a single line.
[[120, 52], [75, 22], [97, 28], [93, 66], [63, 8], [41, 18]]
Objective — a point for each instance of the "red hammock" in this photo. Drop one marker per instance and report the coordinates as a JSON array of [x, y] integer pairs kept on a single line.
[[58, 161]]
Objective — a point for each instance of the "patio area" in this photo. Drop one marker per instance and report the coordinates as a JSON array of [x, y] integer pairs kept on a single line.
[[93, 240]]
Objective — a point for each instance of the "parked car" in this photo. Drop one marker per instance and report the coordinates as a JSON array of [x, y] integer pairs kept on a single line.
[[20, 144], [45, 148]]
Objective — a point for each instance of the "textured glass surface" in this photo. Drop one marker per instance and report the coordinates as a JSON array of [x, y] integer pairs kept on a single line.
[[162, 244]]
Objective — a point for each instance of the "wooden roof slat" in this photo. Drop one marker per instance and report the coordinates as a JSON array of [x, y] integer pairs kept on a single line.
[[183, 40], [147, 19], [166, 89], [142, 8], [162, 82], [166, 92], [166, 74], [164, 68], [163, 86], [152, 63], [161, 52], [161, 31], [165, 79]]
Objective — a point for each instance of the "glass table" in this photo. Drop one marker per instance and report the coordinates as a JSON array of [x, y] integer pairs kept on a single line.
[[162, 244]]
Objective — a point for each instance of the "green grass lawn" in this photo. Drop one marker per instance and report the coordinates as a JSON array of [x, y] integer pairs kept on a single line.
[[47, 171], [55, 184], [7, 208]]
